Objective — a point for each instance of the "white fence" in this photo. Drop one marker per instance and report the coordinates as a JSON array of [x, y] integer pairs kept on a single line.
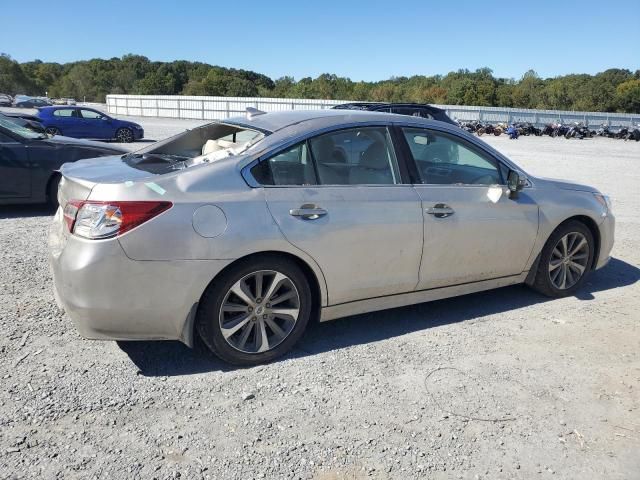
[[216, 108]]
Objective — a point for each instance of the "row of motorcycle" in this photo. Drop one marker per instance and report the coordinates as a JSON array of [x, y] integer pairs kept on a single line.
[[575, 130]]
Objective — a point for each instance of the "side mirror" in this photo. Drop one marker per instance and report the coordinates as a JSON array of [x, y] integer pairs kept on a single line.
[[515, 183]]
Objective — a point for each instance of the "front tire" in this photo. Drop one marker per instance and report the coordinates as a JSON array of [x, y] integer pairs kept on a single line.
[[565, 261], [255, 312], [124, 135]]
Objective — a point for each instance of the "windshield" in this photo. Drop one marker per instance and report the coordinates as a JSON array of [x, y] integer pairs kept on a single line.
[[204, 144], [19, 130]]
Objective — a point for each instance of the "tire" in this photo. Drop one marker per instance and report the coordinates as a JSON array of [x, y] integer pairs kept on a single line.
[[52, 191], [548, 279], [245, 329], [53, 131], [124, 135]]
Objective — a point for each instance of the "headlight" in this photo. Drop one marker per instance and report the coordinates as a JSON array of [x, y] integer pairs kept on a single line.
[[604, 200]]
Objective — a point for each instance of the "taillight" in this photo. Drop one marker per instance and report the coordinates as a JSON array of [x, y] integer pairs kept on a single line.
[[97, 220]]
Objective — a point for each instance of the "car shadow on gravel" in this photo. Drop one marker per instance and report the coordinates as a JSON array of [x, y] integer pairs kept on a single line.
[[174, 358], [26, 211]]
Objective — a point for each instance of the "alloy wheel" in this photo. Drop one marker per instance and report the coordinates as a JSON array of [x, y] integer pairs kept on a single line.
[[569, 260], [259, 311], [124, 135]]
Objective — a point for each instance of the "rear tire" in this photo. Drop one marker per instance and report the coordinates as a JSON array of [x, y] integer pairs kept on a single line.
[[565, 260], [247, 329], [53, 131]]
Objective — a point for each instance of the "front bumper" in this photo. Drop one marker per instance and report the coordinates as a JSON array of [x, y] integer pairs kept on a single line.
[[111, 297], [138, 133]]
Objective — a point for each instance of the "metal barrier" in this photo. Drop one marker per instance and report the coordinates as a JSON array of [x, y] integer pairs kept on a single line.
[[218, 108]]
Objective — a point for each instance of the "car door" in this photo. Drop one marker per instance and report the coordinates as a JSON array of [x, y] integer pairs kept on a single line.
[[94, 124], [15, 171], [340, 198], [65, 120], [473, 230]]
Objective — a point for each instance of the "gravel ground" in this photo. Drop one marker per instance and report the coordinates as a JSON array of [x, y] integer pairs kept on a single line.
[[501, 384]]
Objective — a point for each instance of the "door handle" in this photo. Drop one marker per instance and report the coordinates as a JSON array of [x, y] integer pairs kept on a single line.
[[440, 210], [308, 212]]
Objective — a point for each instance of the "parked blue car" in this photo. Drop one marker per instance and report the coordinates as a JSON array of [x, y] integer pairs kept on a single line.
[[83, 122]]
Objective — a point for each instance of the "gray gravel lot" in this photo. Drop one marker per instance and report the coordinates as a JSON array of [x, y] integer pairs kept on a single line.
[[501, 384]]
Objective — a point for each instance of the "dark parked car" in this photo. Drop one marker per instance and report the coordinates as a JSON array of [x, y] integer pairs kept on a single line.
[[29, 162], [31, 103], [5, 100], [24, 120], [422, 110], [83, 122]]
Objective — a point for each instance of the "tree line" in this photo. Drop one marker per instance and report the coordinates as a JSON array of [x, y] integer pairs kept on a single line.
[[614, 90]]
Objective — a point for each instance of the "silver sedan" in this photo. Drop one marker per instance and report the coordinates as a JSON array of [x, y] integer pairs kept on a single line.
[[245, 230]]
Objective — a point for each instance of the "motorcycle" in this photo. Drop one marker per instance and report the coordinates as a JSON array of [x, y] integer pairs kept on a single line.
[[603, 131], [579, 131], [633, 134], [489, 129]]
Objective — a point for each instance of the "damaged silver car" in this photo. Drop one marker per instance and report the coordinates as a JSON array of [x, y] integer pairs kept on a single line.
[[243, 231]]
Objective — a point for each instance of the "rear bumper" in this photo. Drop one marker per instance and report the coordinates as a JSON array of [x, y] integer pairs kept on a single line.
[[111, 297], [607, 235]]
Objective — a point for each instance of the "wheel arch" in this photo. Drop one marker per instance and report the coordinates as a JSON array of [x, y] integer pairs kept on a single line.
[[586, 221], [52, 178], [318, 289]]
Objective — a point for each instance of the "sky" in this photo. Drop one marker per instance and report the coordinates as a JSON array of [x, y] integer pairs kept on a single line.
[[363, 40]]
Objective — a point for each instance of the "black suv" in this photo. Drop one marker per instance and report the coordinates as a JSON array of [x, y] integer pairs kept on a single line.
[[415, 109]]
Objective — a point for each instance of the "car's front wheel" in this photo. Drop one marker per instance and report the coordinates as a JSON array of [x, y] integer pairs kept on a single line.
[[256, 311], [565, 260], [124, 135]]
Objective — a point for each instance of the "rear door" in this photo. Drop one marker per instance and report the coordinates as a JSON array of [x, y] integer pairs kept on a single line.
[[340, 197], [473, 230], [66, 120], [15, 171]]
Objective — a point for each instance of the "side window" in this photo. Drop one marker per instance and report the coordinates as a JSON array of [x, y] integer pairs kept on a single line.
[[414, 112], [290, 167], [359, 156], [67, 112], [91, 115], [442, 158]]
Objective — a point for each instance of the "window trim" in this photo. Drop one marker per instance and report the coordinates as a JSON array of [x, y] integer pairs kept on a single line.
[[463, 141], [404, 174]]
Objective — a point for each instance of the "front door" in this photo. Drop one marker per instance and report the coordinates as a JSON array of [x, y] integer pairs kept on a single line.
[[340, 198], [473, 230], [15, 171], [94, 125]]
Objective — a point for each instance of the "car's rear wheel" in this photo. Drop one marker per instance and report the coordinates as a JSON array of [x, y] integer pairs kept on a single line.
[[124, 135], [565, 260], [256, 311], [53, 131]]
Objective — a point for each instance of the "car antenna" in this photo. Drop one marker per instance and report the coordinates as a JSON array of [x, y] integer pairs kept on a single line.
[[253, 112]]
